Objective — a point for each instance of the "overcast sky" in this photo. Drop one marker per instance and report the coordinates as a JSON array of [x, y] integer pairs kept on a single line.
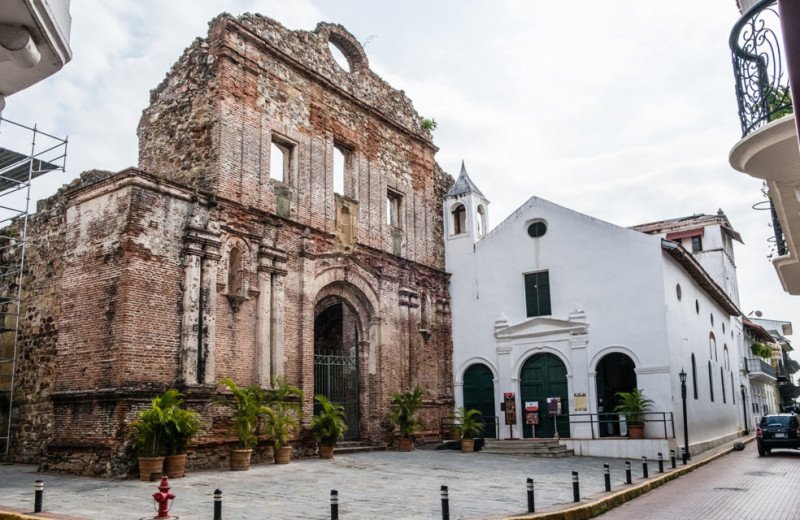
[[621, 110]]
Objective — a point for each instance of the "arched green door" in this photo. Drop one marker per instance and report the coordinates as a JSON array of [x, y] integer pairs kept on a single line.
[[479, 394], [543, 376]]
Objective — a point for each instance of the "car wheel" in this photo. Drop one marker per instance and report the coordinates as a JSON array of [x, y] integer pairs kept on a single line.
[[761, 451]]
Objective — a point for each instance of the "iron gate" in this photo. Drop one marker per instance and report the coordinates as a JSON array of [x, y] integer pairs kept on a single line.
[[336, 377]]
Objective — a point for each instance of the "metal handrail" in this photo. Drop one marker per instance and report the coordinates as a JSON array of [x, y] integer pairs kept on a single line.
[[762, 89], [608, 417]]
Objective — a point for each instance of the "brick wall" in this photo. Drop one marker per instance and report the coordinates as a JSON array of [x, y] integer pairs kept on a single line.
[[118, 248]]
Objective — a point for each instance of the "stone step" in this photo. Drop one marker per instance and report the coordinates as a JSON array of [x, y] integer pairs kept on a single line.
[[529, 448], [348, 447]]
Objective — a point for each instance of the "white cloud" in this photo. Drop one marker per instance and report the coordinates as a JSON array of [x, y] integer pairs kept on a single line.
[[622, 110]]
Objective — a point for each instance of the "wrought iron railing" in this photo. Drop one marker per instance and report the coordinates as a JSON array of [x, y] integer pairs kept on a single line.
[[604, 418], [759, 365], [762, 88]]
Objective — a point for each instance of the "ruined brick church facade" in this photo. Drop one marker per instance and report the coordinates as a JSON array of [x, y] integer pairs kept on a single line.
[[211, 259]]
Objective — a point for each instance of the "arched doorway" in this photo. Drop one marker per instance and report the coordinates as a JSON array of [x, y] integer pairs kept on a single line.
[[543, 376], [615, 373], [479, 394], [336, 358]]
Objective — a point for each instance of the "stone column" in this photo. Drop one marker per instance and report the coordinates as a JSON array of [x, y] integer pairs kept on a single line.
[[277, 321], [208, 328], [263, 366], [190, 321], [404, 327]]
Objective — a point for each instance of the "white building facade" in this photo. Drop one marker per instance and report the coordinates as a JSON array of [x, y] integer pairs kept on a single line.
[[554, 303]]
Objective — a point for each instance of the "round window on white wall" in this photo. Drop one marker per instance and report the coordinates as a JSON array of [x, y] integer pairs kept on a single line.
[[537, 228]]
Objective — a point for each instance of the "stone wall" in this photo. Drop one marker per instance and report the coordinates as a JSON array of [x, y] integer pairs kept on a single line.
[[198, 265]]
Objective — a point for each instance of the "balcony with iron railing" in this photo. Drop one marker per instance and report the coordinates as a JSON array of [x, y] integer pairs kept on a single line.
[[760, 371], [768, 149], [762, 86]]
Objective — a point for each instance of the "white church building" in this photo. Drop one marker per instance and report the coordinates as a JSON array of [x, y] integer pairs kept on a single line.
[[556, 304]]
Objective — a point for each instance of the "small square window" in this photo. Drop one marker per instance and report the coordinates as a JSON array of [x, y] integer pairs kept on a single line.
[[697, 244]]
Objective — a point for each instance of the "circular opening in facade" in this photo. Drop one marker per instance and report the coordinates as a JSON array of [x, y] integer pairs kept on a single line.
[[339, 57], [697, 306], [537, 229], [678, 291]]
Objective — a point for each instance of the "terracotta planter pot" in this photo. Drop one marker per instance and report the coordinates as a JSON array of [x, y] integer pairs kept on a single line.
[[405, 444], [175, 465], [636, 431], [283, 455], [326, 451], [149, 466], [240, 460], [467, 445]]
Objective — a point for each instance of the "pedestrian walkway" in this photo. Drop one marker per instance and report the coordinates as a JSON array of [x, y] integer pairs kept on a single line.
[[382, 485], [742, 485]]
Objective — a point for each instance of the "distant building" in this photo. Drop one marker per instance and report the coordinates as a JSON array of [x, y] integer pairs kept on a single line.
[[554, 303]]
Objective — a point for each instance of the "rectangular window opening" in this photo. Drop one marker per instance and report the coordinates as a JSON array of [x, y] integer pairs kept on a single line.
[[697, 244], [393, 204], [280, 160], [537, 294]]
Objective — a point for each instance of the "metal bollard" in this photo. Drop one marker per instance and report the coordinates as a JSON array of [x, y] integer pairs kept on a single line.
[[334, 504], [672, 457], [628, 472], [685, 455], [38, 488], [660, 463], [607, 475], [531, 507], [644, 467], [217, 504], [576, 490], [445, 504]]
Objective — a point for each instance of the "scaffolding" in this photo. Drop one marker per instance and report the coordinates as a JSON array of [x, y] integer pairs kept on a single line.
[[17, 169]]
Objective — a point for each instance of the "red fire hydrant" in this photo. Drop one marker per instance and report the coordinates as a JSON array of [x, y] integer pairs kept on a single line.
[[162, 498]]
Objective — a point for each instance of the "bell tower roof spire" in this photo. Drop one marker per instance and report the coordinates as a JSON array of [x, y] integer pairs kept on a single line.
[[464, 185]]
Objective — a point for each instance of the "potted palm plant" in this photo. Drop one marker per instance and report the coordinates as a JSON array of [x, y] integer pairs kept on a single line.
[[247, 408], [328, 426], [284, 400], [182, 427], [467, 427], [633, 405], [404, 409], [150, 430]]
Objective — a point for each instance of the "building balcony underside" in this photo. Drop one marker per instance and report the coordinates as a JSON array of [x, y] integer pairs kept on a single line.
[[771, 153]]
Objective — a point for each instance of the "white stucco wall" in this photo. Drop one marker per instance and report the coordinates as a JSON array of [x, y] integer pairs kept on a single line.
[[610, 273], [689, 333], [612, 290]]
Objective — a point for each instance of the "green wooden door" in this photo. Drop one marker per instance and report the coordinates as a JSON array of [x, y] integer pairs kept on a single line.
[[479, 394], [543, 376]]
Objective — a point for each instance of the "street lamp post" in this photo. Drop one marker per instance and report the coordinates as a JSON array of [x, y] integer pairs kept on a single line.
[[686, 455], [744, 409]]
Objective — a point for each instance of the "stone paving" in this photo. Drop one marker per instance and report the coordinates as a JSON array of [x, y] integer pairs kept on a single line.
[[739, 485], [382, 485]]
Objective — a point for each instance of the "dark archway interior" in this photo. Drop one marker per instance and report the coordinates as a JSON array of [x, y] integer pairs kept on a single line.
[[615, 373], [336, 359]]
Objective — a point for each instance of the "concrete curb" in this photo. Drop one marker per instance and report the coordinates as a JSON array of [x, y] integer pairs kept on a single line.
[[602, 505]]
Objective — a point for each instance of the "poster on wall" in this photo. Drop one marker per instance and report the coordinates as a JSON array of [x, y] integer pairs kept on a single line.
[[553, 406]]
